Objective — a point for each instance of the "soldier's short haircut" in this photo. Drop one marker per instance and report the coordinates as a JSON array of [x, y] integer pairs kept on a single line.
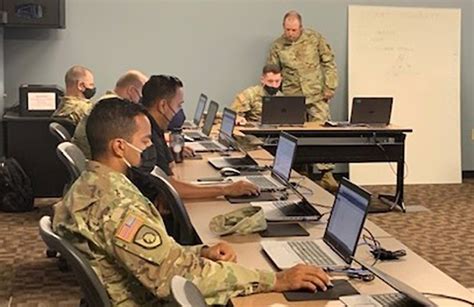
[[75, 74], [132, 77], [293, 14], [111, 118], [159, 87], [273, 68]]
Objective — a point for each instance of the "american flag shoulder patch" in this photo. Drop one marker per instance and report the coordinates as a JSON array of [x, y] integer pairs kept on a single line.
[[129, 228]]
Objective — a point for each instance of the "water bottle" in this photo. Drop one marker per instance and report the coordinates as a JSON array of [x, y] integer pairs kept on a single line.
[[177, 145]]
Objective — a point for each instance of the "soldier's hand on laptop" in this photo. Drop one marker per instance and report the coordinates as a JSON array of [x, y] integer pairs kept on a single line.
[[241, 187], [240, 121], [302, 276], [188, 152], [220, 252]]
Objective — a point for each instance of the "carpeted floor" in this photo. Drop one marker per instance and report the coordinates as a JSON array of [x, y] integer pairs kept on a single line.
[[444, 236]]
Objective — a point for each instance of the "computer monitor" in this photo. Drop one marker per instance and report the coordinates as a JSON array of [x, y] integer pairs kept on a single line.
[[39, 100]]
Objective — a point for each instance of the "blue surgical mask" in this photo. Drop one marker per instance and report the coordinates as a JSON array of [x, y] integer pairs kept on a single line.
[[177, 121]]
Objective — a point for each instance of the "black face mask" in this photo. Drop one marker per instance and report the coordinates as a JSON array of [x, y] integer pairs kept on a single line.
[[177, 121], [147, 159], [89, 92], [271, 90]]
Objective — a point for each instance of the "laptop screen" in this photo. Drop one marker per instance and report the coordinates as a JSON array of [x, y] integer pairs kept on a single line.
[[211, 115], [347, 219], [284, 156], [228, 122], [200, 109]]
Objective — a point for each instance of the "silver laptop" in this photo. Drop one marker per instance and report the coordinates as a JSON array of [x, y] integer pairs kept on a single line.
[[225, 132], [240, 163], [283, 110], [406, 296], [339, 243], [201, 105], [281, 168], [289, 210], [193, 135]]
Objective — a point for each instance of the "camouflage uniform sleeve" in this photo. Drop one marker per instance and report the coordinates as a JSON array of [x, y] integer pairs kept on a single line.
[[241, 104], [328, 63], [80, 138], [80, 112], [141, 245], [273, 56]]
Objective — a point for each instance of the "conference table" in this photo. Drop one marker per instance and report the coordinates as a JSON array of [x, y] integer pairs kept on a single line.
[[412, 269], [354, 144]]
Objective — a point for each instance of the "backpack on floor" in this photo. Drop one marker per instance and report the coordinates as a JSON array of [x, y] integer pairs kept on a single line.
[[16, 193]]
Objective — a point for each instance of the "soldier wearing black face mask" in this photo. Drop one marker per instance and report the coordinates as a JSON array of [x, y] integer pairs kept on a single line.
[[248, 103], [80, 88]]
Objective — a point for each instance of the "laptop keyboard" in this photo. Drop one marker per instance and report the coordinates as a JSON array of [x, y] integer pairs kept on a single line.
[[195, 135], [210, 146], [310, 253], [393, 299], [289, 208], [263, 182]]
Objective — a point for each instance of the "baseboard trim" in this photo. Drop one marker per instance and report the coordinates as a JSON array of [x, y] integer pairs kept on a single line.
[[467, 174]]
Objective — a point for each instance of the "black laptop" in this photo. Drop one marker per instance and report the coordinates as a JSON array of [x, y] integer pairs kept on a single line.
[[371, 111], [203, 134], [283, 110]]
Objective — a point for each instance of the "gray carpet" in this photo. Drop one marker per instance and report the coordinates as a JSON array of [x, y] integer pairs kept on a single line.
[[444, 236]]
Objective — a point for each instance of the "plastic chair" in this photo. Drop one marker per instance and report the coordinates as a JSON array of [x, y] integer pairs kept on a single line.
[[73, 159], [59, 132], [94, 293], [185, 293]]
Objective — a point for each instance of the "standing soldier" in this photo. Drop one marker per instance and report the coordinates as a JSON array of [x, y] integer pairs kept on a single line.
[[308, 69]]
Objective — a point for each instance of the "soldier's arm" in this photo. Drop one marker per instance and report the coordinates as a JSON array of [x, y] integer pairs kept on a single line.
[[273, 56], [141, 245], [328, 64], [241, 104]]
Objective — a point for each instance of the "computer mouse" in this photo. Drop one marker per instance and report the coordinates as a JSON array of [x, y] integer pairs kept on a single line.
[[229, 171]]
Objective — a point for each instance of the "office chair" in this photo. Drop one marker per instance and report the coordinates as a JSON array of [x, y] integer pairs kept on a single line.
[[73, 159], [94, 293], [185, 293], [182, 231], [66, 123], [59, 132]]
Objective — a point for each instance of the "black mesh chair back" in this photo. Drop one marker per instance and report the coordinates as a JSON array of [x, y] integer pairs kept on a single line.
[[183, 231], [73, 158], [94, 293], [59, 132]]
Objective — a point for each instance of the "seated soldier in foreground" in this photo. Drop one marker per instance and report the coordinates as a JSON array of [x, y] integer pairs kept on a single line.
[[107, 218]]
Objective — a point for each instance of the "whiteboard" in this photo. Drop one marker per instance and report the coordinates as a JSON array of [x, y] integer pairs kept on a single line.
[[413, 55]]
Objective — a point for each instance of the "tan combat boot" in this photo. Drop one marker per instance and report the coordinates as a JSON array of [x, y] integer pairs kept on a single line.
[[328, 182]]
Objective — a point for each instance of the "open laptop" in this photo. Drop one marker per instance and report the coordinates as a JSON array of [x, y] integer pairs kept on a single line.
[[281, 168], [289, 210], [225, 133], [207, 127], [406, 296], [240, 163], [283, 110], [201, 105], [339, 243], [368, 112]]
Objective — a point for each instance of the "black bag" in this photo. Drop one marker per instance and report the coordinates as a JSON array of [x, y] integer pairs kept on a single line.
[[16, 193]]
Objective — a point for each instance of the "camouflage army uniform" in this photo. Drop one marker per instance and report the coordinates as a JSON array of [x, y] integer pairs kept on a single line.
[[73, 108], [121, 232], [249, 103], [308, 69], [80, 137]]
